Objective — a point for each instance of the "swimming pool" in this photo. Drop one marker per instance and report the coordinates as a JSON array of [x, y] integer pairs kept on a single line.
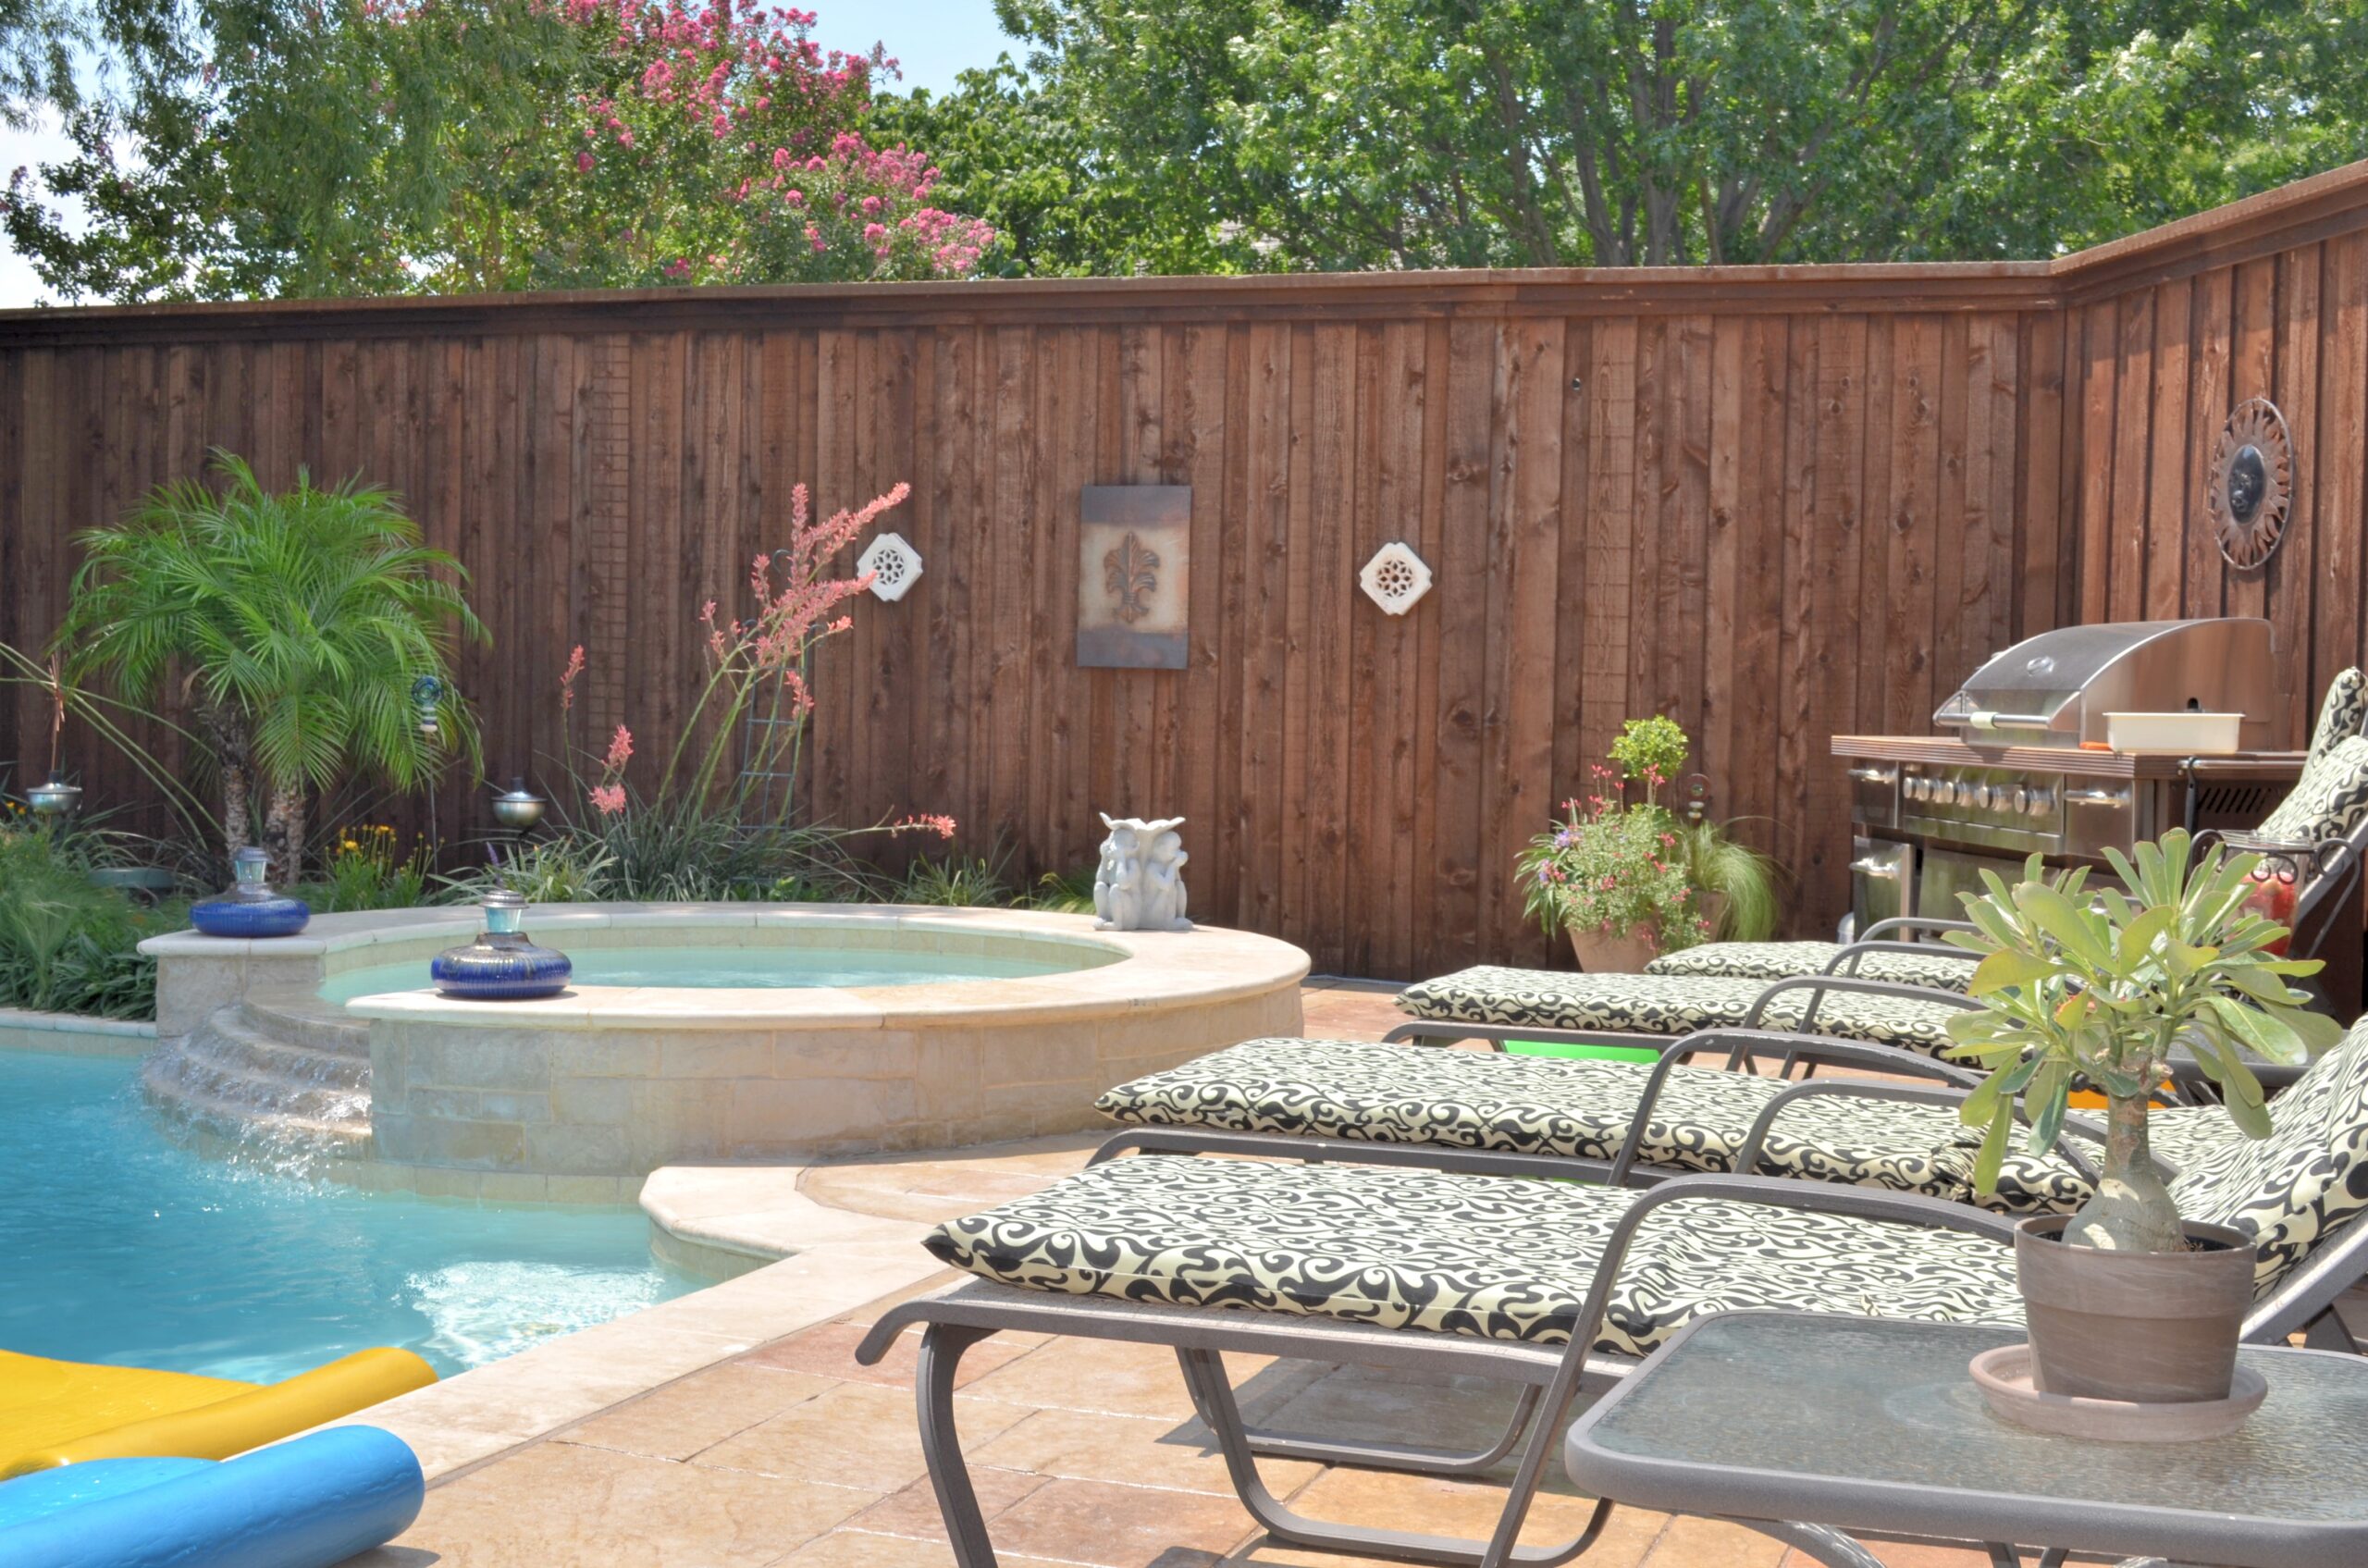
[[117, 1246], [768, 969]]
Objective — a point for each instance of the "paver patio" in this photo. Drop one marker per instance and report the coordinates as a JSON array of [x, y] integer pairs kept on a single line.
[[1084, 1454]]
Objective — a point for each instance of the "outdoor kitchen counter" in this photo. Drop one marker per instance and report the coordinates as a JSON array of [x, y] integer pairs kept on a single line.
[[1942, 751]]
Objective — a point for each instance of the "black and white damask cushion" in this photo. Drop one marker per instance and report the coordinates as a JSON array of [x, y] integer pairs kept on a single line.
[[2343, 712], [2327, 801], [1489, 1257], [2287, 1190], [2309, 1176], [2184, 1136], [1543, 1105], [1655, 1003], [1944, 969], [1418, 1094]]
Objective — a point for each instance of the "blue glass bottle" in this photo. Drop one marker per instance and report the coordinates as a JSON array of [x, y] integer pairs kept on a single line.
[[501, 965], [250, 909]]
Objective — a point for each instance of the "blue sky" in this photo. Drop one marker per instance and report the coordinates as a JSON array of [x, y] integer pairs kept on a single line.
[[931, 40]]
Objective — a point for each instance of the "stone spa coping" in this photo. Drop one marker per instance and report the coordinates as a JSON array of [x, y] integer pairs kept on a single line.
[[1128, 970]]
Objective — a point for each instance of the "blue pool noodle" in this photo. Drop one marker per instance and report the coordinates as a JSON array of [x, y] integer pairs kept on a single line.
[[308, 1504]]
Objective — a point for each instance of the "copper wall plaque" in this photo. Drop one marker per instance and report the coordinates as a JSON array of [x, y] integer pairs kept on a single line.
[[1134, 576], [2251, 483]]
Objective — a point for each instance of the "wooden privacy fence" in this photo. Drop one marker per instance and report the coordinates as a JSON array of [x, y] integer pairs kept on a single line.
[[1777, 503]]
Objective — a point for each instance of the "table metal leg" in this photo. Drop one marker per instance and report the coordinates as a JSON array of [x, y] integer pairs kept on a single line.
[[1820, 1542]]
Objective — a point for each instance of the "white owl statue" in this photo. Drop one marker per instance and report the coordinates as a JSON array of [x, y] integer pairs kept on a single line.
[[1140, 884]]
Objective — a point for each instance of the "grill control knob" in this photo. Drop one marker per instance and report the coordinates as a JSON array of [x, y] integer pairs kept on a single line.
[[1981, 797], [2042, 802], [2022, 801], [1947, 792], [1914, 788]]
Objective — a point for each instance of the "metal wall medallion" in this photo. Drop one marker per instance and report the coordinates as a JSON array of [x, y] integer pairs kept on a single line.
[[2252, 484], [1134, 575]]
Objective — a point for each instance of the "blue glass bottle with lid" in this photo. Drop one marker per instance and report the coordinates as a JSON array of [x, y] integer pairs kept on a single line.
[[250, 909], [501, 965]]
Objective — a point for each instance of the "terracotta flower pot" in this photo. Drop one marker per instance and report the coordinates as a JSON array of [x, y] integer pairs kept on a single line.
[[1626, 954], [2151, 1328]]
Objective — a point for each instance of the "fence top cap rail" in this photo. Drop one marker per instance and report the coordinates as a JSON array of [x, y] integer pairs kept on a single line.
[[2327, 204], [1928, 285]]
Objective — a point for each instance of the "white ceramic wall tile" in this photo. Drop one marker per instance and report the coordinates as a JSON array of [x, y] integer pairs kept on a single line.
[[1395, 578], [894, 563]]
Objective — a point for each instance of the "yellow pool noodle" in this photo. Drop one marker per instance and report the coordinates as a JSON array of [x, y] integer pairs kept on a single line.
[[62, 1411]]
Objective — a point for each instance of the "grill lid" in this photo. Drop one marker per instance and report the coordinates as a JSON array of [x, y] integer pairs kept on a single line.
[[2055, 688]]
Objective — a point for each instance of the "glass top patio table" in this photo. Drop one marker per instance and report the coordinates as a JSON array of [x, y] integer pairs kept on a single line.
[[1868, 1424]]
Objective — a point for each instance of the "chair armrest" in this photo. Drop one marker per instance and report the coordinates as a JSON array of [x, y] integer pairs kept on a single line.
[[1801, 1197], [1913, 922], [1744, 1045], [1858, 950], [1747, 1157], [1425, 1030], [1852, 985]]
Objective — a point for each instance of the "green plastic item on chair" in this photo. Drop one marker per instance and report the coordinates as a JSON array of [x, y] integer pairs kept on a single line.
[[1583, 1052]]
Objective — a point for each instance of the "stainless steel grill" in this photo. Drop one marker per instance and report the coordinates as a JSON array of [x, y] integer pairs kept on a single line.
[[2020, 774], [2055, 688]]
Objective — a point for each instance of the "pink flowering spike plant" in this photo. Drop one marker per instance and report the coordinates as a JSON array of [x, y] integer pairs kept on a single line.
[[714, 820], [757, 665]]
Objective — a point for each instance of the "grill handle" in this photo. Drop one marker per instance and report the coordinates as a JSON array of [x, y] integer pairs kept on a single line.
[[1886, 870], [1982, 719], [2096, 797]]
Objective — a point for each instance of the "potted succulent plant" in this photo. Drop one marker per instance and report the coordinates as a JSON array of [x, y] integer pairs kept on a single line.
[[2124, 1301]]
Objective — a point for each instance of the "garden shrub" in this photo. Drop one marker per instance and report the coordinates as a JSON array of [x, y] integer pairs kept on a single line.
[[67, 945]]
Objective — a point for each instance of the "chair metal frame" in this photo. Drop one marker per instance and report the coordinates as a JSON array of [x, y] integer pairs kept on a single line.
[[1547, 1377], [1820, 985]]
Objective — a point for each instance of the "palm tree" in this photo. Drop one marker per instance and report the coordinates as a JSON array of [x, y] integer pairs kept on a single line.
[[294, 625]]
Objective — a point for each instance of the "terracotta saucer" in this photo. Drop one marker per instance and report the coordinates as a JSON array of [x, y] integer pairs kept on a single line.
[[2004, 1378]]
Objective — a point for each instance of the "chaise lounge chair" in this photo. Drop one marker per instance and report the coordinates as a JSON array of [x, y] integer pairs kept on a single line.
[[1546, 1285], [1619, 1122], [1498, 1004]]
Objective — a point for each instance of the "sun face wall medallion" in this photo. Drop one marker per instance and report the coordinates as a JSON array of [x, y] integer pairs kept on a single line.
[[2251, 483]]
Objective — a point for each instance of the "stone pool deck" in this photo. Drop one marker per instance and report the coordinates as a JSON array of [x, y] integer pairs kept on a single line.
[[787, 1453]]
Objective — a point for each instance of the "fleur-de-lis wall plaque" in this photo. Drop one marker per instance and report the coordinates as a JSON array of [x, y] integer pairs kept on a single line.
[[1134, 571]]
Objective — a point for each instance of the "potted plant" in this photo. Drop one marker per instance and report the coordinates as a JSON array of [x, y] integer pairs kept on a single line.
[[1609, 876], [2124, 1301], [1629, 881]]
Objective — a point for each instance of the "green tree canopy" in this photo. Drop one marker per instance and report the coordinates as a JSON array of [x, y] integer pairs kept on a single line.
[[261, 147], [1263, 134]]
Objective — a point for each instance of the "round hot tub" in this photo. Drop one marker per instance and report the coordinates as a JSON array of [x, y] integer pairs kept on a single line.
[[695, 1031]]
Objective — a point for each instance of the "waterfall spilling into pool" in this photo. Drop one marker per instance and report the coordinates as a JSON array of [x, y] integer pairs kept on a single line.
[[288, 1085]]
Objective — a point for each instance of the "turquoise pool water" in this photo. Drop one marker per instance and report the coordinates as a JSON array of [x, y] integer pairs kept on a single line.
[[775, 968], [116, 1245]]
